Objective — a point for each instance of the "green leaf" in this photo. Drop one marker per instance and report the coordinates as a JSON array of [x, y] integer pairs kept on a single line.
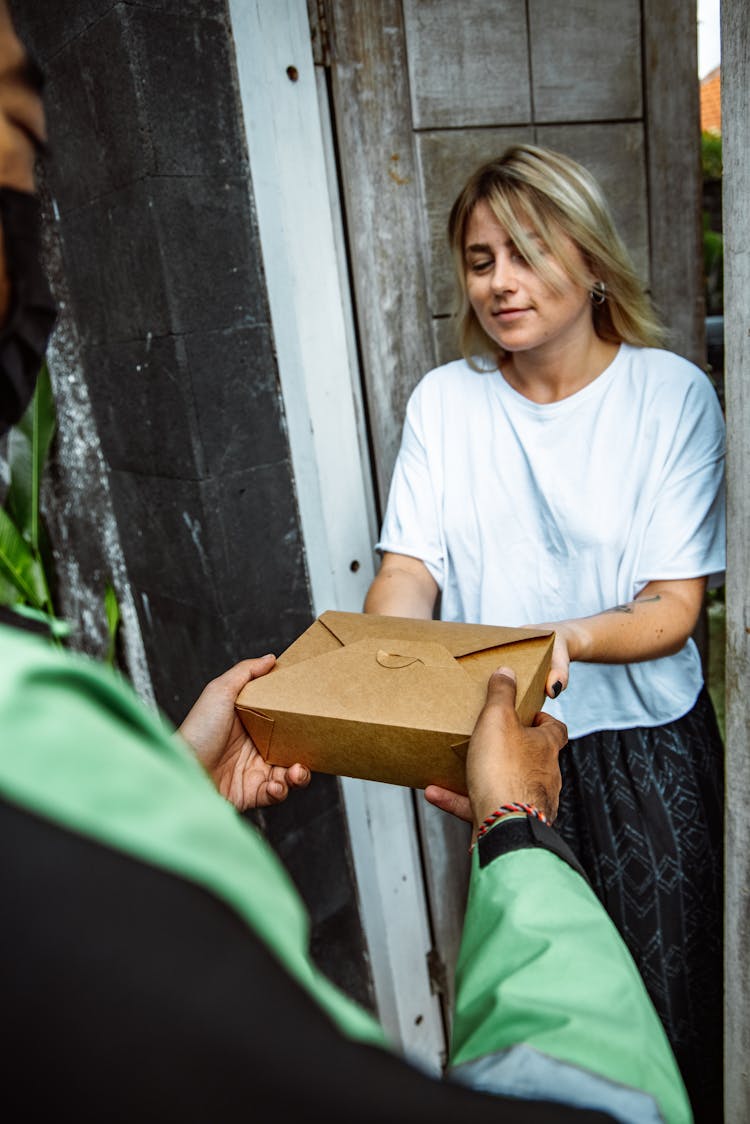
[[112, 610], [19, 568], [8, 591], [28, 448], [58, 629]]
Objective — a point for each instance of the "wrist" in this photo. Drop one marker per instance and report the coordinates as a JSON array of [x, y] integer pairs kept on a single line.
[[505, 813], [521, 833], [578, 639]]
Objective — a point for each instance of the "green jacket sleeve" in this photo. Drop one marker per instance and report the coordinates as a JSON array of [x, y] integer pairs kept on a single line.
[[80, 750], [549, 998]]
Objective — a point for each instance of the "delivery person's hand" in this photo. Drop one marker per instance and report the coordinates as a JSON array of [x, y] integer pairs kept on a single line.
[[507, 763], [214, 732], [22, 127]]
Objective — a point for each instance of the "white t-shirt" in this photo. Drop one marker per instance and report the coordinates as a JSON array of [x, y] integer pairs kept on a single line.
[[526, 513]]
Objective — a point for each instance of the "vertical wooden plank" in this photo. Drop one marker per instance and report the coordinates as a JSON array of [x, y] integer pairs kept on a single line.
[[735, 90], [387, 860], [385, 216], [447, 868], [287, 160], [672, 116]]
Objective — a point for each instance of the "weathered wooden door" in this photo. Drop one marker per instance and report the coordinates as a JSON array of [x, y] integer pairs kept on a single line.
[[363, 119], [420, 92]]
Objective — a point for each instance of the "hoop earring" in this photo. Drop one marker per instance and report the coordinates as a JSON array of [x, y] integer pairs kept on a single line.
[[598, 293]]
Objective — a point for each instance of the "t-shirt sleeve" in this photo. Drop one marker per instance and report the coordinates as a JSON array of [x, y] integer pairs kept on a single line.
[[686, 533], [412, 523]]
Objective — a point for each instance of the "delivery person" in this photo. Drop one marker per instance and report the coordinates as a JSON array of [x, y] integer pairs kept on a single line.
[[154, 953]]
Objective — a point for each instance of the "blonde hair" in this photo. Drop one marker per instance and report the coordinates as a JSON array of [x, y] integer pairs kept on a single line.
[[530, 186]]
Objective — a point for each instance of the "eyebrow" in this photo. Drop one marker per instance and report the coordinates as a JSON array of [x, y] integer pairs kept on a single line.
[[484, 248]]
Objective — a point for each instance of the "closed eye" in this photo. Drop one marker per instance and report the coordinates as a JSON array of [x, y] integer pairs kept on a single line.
[[481, 265]]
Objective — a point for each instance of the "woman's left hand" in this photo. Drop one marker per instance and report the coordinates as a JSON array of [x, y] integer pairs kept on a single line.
[[656, 623]]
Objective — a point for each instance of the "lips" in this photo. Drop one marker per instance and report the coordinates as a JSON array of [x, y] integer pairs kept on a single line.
[[508, 314]]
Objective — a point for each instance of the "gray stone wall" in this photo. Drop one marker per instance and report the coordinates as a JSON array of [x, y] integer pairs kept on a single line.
[[150, 182], [151, 200]]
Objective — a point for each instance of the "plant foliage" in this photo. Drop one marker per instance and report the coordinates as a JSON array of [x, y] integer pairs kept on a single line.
[[25, 558], [711, 162], [22, 570]]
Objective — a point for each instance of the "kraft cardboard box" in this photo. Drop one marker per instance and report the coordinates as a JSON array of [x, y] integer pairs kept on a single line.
[[388, 698]]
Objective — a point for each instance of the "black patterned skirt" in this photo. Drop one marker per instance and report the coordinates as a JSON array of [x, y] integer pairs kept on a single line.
[[643, 810]]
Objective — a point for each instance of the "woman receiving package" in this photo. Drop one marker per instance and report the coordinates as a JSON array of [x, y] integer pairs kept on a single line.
[[568, 471]]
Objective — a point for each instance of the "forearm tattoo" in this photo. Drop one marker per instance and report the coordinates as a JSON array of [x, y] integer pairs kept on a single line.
[[629, 607]]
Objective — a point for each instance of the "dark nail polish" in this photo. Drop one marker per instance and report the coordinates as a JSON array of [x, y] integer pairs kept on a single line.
[[556, 689]]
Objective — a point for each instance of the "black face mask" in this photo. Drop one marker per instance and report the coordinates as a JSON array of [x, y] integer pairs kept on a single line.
[[23, 338]]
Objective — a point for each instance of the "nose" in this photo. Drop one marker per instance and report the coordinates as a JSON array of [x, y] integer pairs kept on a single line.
[[503, 278]]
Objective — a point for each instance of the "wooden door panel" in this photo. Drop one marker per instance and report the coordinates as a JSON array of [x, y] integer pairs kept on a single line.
[[585, 59], [423, 91], [468, 64]]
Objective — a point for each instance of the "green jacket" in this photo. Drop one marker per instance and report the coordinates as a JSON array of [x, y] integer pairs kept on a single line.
[[549, 1002]]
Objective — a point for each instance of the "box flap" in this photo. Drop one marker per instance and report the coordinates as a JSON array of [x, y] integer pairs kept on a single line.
[[260, 728], [380, 681], [459, 639], [314, 641]]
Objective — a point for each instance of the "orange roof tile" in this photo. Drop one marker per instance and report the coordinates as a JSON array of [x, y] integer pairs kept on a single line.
[[711, 102]]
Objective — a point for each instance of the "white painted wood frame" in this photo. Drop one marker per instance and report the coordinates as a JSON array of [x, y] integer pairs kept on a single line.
[[298, 214]]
